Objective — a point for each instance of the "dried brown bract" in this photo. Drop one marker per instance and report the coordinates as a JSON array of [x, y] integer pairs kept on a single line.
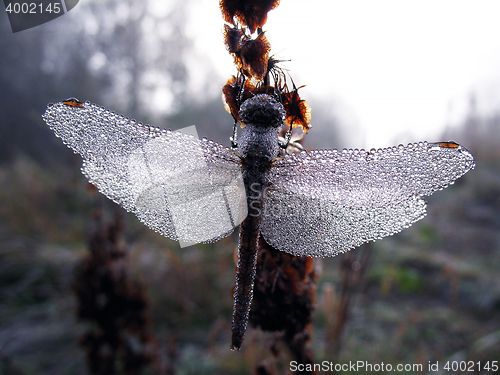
[[298, 112], [254, 54], [252, 13], [233, 37], [235, 92], [250, 55]]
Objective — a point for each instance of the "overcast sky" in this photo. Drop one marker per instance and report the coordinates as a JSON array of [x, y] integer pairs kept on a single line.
[[400, 70]]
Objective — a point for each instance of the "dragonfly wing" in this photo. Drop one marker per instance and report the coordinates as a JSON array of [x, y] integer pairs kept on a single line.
[[187, 189], [324, 202], [315, 227]]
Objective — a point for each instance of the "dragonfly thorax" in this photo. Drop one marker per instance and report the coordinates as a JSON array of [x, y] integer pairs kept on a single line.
[[262, 116]]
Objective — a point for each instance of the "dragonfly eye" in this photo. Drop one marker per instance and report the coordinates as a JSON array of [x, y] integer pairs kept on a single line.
[[262, 111]]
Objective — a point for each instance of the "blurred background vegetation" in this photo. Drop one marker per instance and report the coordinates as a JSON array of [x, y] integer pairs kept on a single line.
[[429, 293]]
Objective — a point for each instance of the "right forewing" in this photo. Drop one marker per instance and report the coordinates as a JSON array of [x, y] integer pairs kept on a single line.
[[324, 202]]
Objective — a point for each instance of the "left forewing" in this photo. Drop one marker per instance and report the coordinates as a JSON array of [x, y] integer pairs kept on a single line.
[[187, 189]]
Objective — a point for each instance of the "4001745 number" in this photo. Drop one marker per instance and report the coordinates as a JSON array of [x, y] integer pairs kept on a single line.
[[33, 8]]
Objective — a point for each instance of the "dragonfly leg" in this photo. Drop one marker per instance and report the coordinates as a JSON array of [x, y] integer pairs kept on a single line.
[[288, 137], [234, 144]]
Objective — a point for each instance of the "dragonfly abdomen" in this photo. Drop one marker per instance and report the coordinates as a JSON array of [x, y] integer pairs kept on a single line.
[[255, 179], [245, 275]]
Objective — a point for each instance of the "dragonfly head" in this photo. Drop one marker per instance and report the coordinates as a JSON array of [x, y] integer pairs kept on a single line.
[[262, 111]]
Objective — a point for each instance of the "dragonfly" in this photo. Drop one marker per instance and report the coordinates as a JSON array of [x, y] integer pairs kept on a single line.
[[315, 203]]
